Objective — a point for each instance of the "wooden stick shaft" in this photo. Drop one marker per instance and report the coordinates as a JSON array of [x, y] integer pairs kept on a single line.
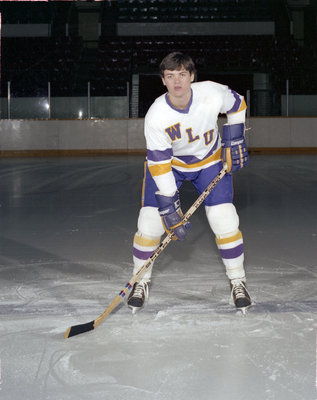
[[158, 251], [75, 330]]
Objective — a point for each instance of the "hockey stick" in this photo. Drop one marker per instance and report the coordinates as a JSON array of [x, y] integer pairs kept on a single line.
[[89, 326]]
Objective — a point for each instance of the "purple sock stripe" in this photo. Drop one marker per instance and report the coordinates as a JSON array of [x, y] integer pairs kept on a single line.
[[142, 255], [232, 253]]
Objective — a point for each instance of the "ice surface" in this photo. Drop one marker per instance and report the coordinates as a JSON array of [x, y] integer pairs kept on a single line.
[[66, 241]]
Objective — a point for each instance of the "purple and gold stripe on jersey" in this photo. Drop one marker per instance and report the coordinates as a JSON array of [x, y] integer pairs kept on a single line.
[[239, 103], [214, 157], [161, 169], [159, 155], [230, 247], [162, 160], [193, 159]]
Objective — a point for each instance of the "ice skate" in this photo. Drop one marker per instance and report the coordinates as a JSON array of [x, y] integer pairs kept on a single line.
[[138, 295], [240, 295]]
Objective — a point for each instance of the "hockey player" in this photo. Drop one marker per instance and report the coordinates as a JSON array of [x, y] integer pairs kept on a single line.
[[183, 143]]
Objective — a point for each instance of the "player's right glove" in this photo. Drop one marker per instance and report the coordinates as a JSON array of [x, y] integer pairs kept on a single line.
[[172, 216], [234, 150]]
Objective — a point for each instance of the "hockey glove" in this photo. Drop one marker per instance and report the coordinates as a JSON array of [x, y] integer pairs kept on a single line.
[[234, 150], [172, 216]]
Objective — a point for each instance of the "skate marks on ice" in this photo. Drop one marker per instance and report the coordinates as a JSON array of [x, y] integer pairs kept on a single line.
[[58, 288], [178, 346], [279, 286], [161, 356], [187, 342], [164, 354]]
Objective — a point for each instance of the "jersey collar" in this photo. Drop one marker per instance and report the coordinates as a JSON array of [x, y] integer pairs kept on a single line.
[[183, 111]]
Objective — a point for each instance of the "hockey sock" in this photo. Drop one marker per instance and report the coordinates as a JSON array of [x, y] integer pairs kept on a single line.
[[231, 250], [143, 248]]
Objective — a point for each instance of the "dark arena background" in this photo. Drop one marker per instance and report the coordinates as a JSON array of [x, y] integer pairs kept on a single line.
[[89, 60], [77, 78]]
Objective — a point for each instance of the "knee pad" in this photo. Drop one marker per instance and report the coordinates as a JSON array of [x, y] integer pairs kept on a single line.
[[150, 222], [223, 218]]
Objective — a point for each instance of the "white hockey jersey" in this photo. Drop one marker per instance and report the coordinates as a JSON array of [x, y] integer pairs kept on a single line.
[[188, 140]]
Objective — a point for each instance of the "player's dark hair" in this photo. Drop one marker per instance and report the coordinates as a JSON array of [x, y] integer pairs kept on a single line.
[[175, 61]]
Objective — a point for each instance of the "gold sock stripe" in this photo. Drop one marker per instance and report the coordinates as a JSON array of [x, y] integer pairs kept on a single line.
[[145, 242], [229, 239]]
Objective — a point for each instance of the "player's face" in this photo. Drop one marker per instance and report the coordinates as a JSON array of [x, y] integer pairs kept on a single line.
[[178, 82]]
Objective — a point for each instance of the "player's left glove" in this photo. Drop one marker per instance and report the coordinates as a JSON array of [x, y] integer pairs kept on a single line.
[[172, 216], [234, 150]]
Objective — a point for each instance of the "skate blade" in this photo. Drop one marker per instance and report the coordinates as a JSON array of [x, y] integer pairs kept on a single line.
[[244, 310], [134, 309]]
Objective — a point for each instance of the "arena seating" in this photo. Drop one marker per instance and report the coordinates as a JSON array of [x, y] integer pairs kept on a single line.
[[30, 62], [192, 10]]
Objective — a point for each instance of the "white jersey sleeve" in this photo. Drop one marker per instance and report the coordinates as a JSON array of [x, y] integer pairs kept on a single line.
[[234, 106], [159, 155]]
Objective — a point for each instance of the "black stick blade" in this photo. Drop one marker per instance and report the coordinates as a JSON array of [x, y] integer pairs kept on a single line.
[[78, 329]]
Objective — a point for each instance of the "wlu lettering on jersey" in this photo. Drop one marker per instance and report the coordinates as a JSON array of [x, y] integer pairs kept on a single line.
[[174, 132]]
